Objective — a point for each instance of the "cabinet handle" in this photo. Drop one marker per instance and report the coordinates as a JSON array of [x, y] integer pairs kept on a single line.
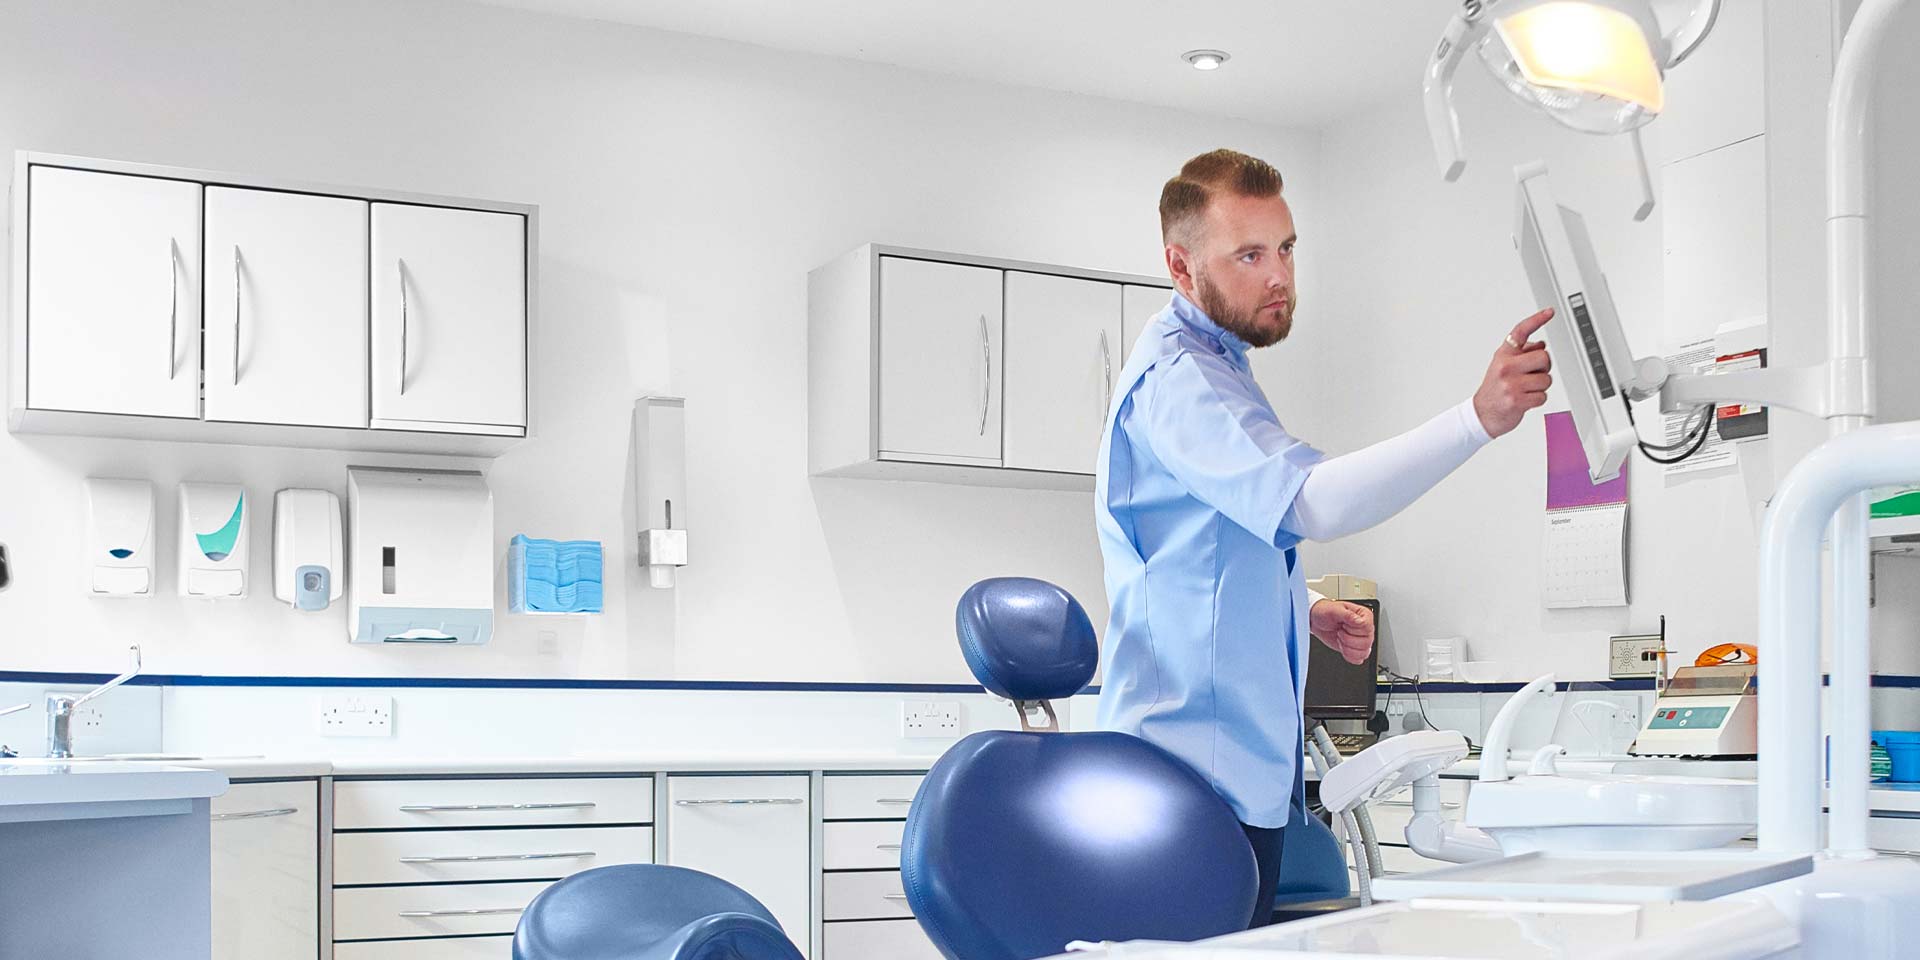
[[986, 374], [893, 896], [400, 267], [886, 846], [497, 857], [755, 802], [894, 801], [236, 315], [173, 309], [257, 814], [472, 807], [1106, 365], [479, 912]]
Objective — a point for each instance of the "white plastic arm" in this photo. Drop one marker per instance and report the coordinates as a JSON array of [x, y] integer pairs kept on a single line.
[[1646, 179], [1442, 124], [1493, 753], [1437, 838]]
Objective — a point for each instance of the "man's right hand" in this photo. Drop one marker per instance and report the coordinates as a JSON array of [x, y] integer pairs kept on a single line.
[[1517, 379]]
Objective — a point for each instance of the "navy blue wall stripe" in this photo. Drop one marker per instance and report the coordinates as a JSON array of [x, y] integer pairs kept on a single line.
[[1897, 681]]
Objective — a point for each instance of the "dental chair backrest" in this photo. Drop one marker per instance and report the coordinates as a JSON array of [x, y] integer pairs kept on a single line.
[[1020, 843]]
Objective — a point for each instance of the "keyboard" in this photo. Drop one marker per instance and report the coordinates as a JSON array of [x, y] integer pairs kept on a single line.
[[1351, 743]]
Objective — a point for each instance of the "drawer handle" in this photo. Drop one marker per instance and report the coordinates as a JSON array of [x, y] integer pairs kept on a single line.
[[257, 814], [173, 309], [480, 912], [745, 802], [886, 846], [496, 857], [894, 801], [893, 896], [487, 807]]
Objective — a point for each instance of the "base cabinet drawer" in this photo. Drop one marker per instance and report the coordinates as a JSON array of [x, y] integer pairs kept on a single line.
[[870, 797], [453, 948], [875, 895], [373, 913], [388, 804], [878, 940], [439, 856], [1894, 834], [863, 846]]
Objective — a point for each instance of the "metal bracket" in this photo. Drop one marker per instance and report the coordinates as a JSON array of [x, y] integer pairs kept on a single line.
[[1031, 713], [1824, 390]]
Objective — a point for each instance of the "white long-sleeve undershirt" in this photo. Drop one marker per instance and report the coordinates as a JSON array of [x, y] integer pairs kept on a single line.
[[1346, 494]]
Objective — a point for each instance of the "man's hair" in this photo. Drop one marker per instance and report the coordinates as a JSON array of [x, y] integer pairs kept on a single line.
[[1183, 201]]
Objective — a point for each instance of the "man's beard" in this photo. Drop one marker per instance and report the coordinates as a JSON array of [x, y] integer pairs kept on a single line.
[[1241, 322]]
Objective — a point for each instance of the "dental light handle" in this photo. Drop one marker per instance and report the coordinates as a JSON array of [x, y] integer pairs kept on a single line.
[[1645, 209], [1442, 123], [1493, 753]]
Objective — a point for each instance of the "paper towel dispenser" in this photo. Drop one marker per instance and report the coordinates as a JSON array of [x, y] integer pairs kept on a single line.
[[420, 556]]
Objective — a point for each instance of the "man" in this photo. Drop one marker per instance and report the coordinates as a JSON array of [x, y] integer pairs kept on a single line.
[[1202, 496]]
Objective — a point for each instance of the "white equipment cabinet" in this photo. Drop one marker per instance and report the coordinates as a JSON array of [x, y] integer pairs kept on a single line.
[[266, 871], [753, 832], [1063, 350], [946, 367], [286, 320], [335, 317], [113, 291]]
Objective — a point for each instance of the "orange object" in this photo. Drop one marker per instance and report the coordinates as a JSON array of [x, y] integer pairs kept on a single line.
[[1723, 654]]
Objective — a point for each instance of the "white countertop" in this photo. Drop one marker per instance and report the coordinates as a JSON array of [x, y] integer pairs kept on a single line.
[[290, 767], [39, 789]]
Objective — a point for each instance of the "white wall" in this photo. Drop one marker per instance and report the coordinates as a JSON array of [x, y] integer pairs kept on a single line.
[[686, 187]]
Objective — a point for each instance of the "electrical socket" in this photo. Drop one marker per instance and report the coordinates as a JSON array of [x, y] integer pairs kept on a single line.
[[1635, 656], [930, 719], [355, 715]]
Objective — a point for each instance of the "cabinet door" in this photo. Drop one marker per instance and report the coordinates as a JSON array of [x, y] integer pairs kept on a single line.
[[1063, 348], [286, 318], [1138, 305], [266, 871], [940, 362], [753, 832], [449, 319], [113, 293]]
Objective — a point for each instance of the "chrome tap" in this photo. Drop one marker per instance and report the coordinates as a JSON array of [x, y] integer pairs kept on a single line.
[[60, 709]]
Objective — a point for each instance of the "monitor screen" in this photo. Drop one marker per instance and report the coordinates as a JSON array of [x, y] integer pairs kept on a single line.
[[1336, 689]]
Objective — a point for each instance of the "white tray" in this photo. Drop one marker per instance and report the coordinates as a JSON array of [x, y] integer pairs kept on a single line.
[[1603, 877]]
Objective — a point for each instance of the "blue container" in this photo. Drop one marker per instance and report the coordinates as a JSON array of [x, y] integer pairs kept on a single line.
[[1903, 748]]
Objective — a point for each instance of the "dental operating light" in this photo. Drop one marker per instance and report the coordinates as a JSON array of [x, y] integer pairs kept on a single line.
[[1596, 66]]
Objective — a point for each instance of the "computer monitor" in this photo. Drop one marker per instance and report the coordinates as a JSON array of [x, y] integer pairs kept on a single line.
[[1591, 359], [1336, 689]]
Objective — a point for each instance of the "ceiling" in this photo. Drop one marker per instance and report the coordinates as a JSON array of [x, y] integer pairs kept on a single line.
[[1294, 62]]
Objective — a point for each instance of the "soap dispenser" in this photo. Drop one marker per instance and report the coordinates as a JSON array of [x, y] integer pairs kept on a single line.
[[213, 541], [119, 539], [306, 548]]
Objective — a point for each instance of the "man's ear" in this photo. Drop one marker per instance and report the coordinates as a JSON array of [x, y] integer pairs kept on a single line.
[[1180, 267]]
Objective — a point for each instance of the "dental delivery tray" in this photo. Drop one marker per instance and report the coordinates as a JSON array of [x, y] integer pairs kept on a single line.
[[1625, 876]]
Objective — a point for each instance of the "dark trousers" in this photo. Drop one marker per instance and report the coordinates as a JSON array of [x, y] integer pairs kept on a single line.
[[1266, 855]]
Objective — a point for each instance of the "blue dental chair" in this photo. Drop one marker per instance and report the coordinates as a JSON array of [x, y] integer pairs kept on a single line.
[[1019, 843], [644, 911]]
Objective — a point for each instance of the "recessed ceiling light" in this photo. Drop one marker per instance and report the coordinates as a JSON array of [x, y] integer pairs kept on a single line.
[[1205, 59]]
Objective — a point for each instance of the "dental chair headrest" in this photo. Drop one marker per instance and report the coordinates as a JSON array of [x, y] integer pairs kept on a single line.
[[1026, 639]]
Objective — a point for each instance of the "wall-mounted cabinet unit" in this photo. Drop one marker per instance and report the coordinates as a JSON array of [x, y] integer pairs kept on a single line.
[[935, 366], [167, 304]]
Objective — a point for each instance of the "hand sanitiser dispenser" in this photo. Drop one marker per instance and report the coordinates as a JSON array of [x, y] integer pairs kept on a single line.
[[420, 567], [120, 544], [213, 541], [306, 548]]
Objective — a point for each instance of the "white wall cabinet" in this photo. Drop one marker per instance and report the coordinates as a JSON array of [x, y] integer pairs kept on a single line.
[[449, 319], [1063, 345], [1138, 306], [286, 320], [753, 832], [266, 871], [945, 367], [336, 317], [111, 293]]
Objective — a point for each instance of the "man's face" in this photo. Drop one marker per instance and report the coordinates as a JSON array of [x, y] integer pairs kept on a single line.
[[1239, 268]]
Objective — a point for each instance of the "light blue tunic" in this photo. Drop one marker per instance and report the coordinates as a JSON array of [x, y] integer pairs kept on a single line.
[[1206, 650]]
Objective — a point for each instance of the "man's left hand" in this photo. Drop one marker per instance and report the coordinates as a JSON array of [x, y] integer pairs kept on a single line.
[[1346, 627]]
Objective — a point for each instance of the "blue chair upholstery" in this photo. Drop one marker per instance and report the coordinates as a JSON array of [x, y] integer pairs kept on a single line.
[[1313, 868], [1019, 843], [643, 911]]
